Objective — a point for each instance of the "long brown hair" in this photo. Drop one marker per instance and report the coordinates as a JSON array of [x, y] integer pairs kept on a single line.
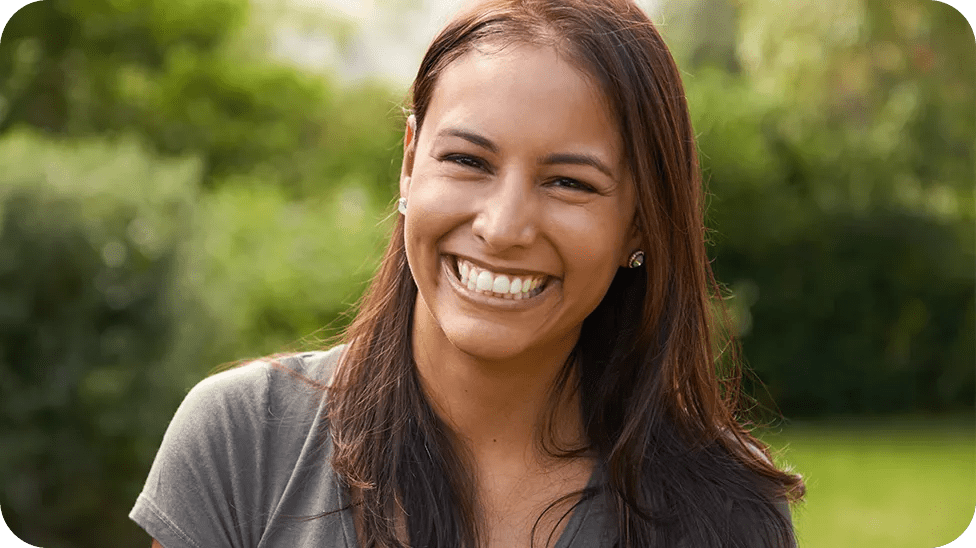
[[658, 408]]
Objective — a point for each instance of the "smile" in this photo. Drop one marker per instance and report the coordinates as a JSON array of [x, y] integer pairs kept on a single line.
[[499, 285]]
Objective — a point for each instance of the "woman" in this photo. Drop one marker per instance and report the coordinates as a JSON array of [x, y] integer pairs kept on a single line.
[[533, 365]]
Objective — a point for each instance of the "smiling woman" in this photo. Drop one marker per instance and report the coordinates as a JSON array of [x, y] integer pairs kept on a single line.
[[513, 178], [517, 374]]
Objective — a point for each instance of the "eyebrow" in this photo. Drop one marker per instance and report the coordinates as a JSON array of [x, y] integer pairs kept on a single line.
[[471, 137], [579, 160], [551, 159]]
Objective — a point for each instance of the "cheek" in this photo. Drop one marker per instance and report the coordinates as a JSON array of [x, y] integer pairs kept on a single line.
[[434, 191], [433, 211], [437, 202], [590, 243]]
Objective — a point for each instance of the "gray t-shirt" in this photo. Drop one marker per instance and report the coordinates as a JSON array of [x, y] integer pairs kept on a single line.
[[245, 461]]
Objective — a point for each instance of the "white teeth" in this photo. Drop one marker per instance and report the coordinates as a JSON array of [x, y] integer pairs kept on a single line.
[[484, 281], [503, 285], [500, 285], [516, 286]]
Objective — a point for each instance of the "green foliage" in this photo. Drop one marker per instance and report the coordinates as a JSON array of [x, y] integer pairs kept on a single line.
[[64, 58], [128, 275], [121, 285], [840, 171], [180, 75], [272, 273], [91, 234]]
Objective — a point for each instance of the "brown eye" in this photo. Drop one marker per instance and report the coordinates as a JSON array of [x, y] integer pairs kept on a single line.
[[464, 160], [573, 184]]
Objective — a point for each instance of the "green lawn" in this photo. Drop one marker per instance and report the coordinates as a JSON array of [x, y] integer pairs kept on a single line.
[[885, 483]]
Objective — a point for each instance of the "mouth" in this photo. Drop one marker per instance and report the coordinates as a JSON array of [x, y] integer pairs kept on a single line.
[[500, 285]]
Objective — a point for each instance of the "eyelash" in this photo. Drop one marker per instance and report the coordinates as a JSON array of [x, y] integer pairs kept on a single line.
[[580, 184], [464, 160]]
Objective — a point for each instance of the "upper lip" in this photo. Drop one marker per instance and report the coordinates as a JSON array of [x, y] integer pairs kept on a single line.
[[499, 269]]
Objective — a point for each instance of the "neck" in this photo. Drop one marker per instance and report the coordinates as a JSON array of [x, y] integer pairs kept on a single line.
[[497, 407]]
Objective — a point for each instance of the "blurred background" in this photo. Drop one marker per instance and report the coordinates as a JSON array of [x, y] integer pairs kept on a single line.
[[187, 183]]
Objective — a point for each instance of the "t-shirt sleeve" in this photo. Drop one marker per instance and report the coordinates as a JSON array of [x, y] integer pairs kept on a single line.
[[205, 488]]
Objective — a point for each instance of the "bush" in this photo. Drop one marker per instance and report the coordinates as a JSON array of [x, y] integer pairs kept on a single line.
[[850, 298], [190, 78], [271, 273], [121, 285], [91, 238]]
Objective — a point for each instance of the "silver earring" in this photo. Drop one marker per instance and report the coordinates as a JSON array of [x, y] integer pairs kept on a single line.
[[402, 206], [636, 259]]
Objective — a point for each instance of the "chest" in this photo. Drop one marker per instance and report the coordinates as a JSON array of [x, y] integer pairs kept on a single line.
[[532, 510]]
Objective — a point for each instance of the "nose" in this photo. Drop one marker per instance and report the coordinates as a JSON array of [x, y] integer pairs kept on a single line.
[[507, 217]]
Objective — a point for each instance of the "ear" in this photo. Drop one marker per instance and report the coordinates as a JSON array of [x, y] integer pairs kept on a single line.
[[633, 243], [409, 150]]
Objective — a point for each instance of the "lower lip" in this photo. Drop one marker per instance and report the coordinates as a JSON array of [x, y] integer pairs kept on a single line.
[[489, 300]]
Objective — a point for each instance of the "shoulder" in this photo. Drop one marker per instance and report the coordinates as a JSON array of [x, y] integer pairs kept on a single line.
[[314, 368], [259, 388], [234, 408], [232, 449], [319, 366]]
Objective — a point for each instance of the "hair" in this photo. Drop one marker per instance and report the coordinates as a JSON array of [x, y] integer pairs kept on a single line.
[[659, 400]]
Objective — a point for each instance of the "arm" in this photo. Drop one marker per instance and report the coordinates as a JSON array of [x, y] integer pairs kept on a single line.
[[203, 490]]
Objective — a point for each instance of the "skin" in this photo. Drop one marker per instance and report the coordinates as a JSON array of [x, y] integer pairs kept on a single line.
[[521, 173], [525, 175]]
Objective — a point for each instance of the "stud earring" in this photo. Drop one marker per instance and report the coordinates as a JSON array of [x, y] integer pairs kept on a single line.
[[636, 259], [402, 206]]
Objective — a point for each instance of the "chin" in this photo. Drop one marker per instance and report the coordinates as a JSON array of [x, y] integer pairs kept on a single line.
[[476, 344]]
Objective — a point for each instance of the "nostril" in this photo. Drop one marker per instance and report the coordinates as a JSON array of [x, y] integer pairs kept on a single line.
[[508, 218]]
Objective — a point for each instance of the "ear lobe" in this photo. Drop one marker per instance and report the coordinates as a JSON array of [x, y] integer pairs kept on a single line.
[[632, 245], [409, 150]]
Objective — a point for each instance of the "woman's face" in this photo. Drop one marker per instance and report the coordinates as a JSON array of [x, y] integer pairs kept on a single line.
[[520, 207]]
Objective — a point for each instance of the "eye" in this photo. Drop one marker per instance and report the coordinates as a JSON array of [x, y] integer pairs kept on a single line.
[[572, 184], [464, 160]]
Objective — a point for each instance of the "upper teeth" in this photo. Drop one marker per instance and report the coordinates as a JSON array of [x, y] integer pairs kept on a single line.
[[479, 279]]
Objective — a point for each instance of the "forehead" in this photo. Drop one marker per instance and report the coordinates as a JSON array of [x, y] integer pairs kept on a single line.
[[530, 93]]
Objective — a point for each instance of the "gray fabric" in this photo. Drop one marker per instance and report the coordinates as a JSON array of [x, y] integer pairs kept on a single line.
[[242, 462], [245, 459]]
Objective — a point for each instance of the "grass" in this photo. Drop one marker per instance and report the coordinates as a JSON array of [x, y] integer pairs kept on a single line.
[[905, 483]]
